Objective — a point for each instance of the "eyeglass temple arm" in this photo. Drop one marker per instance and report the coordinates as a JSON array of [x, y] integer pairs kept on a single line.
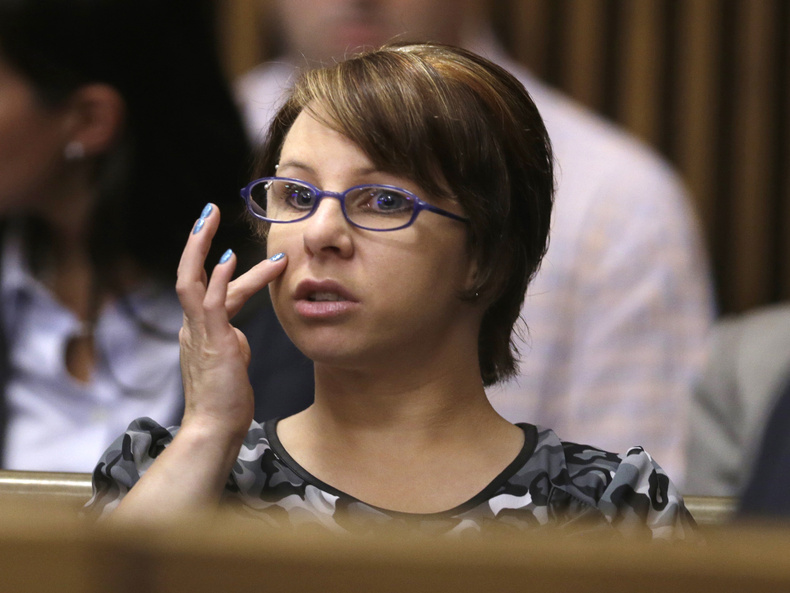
[[424, 206]]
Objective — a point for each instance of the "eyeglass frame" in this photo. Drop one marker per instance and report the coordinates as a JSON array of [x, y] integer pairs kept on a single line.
[[419, 205]]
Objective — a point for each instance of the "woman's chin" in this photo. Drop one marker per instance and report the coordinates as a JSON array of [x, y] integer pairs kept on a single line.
[[330, 353]]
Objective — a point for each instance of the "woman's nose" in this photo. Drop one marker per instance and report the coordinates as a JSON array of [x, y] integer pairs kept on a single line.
[[327, 230]]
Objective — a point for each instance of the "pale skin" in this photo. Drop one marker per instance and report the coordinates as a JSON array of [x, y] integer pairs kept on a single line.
[[400, 419]]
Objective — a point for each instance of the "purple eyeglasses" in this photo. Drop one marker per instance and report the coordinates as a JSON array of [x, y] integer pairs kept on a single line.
[[370, 207]]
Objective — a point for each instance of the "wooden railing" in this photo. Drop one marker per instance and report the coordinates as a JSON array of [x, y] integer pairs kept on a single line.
[[46, 546], [711, 510], [73, 490], [42, 549]]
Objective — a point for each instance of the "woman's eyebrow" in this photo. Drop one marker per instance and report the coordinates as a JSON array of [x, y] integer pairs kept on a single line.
[[296, 165], [309, 169]]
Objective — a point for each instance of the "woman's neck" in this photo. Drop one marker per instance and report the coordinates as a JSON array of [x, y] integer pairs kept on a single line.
[[381, 399], [404, 388], [402, 443], [67, 209], [63, 263]]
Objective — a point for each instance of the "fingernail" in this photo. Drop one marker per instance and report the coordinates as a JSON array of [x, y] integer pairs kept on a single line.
[[277, 256], [226, 256], [206, 211], [198, 225]]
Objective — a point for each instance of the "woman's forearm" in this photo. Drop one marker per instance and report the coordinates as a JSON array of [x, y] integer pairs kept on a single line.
[[187, 477]]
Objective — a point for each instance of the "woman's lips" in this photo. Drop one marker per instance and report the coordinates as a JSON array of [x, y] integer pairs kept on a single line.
[[325, 299], [324, 309]]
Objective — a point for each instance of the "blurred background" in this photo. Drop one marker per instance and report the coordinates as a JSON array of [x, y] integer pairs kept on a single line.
[[705, 82]]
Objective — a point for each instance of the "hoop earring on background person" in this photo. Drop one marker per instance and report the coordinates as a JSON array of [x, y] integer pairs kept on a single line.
[[74, 151]]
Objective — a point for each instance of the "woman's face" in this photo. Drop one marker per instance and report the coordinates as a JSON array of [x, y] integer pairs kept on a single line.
[[354, 297], [31, 143]]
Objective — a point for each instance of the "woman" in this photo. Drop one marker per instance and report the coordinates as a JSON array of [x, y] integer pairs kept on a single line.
[[108, 109], [403, 226]]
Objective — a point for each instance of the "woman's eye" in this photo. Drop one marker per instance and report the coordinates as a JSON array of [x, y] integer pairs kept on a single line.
[[300, 197], [384, 201]]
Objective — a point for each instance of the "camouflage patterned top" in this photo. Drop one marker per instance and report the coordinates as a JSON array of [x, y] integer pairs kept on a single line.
[[549, 483]]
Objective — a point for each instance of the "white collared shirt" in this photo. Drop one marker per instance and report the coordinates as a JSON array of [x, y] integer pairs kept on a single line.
[[55, 422]]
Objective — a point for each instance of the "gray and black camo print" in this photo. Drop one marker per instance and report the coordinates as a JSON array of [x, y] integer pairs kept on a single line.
[[550, 483]]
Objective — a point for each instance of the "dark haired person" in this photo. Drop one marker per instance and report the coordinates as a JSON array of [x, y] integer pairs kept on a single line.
[[115, 125], [405, 203]]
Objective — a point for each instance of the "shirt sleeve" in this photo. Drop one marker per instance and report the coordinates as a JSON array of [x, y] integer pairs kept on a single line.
[[641, 495], [124, 461]]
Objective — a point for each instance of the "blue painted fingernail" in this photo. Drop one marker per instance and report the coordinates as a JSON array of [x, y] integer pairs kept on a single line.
[[206, 211], [226, 256], [277, 256], [198, 225]]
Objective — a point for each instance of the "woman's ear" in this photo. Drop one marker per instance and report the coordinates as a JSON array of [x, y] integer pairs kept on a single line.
[[95, 117], [471, 274]]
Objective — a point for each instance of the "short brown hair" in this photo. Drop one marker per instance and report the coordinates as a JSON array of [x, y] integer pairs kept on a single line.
[[461, 127]]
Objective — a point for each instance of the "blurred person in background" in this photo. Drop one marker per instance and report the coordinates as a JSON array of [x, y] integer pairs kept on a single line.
[[741, 411], [766, 491], [619, 312], [116, 124]]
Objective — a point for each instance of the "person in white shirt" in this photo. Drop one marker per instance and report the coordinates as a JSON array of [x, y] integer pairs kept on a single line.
[[618, 315], [100, 159]]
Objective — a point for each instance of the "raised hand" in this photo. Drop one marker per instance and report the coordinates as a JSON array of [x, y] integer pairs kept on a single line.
[[190, 474], [214, 354]]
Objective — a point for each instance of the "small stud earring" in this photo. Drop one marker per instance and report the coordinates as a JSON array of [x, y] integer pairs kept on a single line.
[[74, 151]]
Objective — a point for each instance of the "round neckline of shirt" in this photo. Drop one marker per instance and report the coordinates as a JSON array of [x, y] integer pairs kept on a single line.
[[526, 452]]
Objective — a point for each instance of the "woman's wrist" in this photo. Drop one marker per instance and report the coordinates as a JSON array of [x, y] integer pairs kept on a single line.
[[204, 454], [211, 434]]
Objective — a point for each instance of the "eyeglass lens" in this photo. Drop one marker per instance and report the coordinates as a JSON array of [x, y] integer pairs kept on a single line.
[[373, 207]]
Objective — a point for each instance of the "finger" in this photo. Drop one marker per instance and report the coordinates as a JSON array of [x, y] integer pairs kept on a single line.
[[191, 274], [254, 280], [216, 318]]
